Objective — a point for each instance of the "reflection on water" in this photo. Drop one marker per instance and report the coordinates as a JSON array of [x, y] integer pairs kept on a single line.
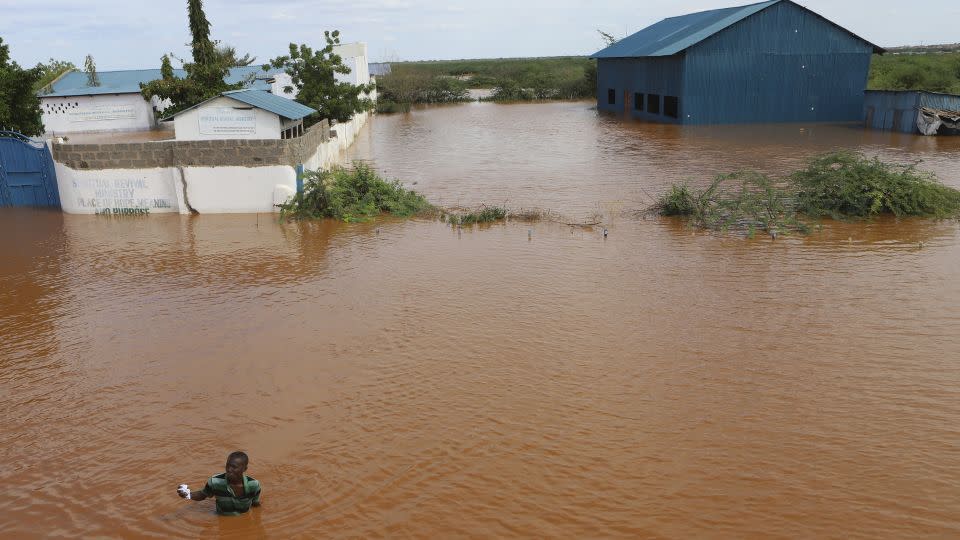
[[400, 379]]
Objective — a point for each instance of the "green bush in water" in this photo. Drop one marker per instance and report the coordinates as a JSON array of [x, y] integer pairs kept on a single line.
[[680, 201], [485, 215], [845, 184], [356, 194]]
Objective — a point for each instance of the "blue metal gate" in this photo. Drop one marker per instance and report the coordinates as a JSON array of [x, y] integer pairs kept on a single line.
[[27, 176]]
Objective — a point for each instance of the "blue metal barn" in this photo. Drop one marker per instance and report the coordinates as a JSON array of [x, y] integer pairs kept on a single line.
[[774, 61]]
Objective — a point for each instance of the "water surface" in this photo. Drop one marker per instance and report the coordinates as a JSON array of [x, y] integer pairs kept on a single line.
[[406, 379]]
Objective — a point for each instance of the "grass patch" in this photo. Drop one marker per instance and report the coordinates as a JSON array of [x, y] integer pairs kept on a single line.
[[353, 195], [841, 185]]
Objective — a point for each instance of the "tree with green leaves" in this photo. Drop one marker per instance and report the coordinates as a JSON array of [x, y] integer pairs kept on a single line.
[[313, 76], [51, 71], [91, 70], [19, 105], [205, 75]]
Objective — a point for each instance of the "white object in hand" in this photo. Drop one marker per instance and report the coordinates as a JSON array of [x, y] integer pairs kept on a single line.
[[184, 489]]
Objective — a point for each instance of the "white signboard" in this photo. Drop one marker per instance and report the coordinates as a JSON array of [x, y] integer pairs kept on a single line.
[[227, 121], [99, 113]]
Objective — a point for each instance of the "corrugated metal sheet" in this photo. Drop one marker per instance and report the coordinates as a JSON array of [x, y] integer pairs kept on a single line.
[[675, 34], [128, 81], [891, 110], [282, 106], [783, 63], [628, 77]]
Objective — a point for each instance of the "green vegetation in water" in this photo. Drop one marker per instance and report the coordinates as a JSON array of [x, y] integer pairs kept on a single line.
[[486, 214], [934, 72], [841, 185], [847, 185], [352, 195], [747, 201]]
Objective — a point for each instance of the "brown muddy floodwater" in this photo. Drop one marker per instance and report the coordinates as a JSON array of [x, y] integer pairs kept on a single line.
[[401, 379]]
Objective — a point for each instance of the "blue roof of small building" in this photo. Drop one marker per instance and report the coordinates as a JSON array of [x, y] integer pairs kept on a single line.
[[281, 106], [676, 34], [261, 99], [75, 83]]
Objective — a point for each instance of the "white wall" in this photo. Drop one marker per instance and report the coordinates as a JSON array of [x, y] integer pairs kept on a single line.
[[237, 190], [281, 81], [108, 112], [354, 55], [206, 189], [266, 124], [328, 154], [118, 191]]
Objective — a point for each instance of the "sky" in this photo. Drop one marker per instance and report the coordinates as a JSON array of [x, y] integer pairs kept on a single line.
[[134, 34]]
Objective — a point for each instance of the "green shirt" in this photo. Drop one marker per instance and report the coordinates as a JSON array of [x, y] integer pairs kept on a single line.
[[228, 503]]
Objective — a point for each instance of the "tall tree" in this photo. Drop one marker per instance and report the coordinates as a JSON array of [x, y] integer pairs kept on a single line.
[[203, 48], [19, 105], [205, 75], [91, 69], [313, 75]]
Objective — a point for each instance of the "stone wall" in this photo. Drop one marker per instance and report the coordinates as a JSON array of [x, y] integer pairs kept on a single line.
[[165, 154]]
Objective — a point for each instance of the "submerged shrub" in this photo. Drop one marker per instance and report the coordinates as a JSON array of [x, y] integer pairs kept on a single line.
[[679, 201], [846, 184], [839, 185], [355, 194], [486, 214]]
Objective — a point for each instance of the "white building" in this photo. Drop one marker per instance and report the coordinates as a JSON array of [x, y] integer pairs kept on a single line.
[[241, 114], [74, 106]]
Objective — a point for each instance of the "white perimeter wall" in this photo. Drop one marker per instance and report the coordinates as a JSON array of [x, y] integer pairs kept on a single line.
[[187, 125], [109, 112], [227, 190]]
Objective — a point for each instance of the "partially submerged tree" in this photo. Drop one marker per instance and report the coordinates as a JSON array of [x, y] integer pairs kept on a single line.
[[91, 70], [19, 105], [205, 75], [313, 76]]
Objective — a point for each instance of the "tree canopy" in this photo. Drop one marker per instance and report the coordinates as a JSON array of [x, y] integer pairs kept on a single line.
[[19, 105], [313, 76]]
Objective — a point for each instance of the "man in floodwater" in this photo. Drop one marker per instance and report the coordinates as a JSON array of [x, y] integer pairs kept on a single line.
[[235, 491]]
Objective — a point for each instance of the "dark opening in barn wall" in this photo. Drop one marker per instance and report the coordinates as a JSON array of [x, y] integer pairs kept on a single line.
[[638, 102], [671, 106], [611, 96], [653, 103]]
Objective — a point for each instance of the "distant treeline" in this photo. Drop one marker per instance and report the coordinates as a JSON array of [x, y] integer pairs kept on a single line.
[[509, 79], [935, 72], [574, 77]]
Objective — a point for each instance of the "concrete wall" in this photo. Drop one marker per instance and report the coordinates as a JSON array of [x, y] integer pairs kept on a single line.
[[214, 153], [108, 112], [220, 176], [197, 124]]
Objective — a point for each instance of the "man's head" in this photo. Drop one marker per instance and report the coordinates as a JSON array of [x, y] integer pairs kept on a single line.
[[236, 466]]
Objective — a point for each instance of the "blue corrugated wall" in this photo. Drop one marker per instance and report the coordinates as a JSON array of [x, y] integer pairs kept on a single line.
[[784, 64], [897, 110], [630, 76]]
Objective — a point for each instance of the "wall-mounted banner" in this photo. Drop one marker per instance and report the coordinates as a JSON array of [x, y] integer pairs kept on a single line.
[[99, 113], [227, 121]]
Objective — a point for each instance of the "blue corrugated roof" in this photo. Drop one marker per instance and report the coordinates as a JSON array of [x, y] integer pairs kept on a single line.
[[128, 81], [282, 106], [675, 34], [261, 99]]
